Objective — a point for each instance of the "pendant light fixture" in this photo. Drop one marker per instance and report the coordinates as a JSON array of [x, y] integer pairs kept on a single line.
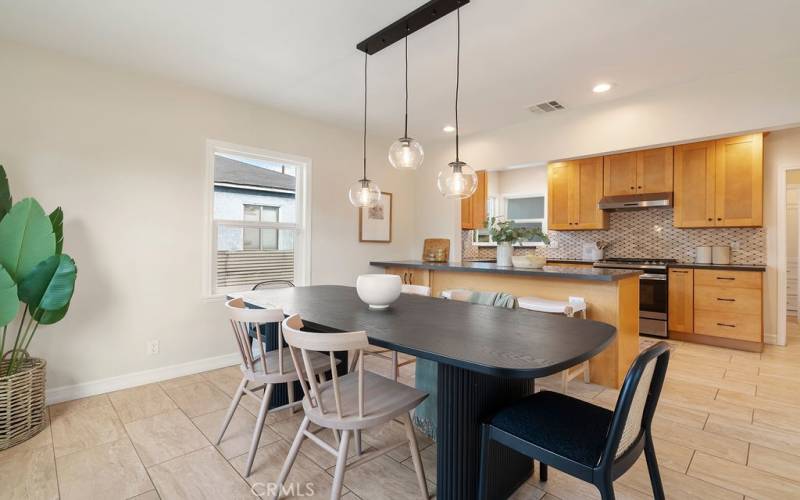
[[457, 180], [406, 153], [364, 193]]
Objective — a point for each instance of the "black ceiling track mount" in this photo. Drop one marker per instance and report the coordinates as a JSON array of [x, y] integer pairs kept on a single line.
[[416, 20]]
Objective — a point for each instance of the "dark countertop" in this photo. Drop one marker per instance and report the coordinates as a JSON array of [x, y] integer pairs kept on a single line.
[[557, 272], [491, 340], [759, 268]]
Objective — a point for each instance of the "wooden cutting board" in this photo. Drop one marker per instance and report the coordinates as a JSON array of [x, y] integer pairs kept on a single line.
[[432, 245]]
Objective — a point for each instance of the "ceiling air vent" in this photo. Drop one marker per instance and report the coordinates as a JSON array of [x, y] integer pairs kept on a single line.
[[546, 107]]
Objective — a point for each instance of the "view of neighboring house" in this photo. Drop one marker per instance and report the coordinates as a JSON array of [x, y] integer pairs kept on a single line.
[[259, 194]]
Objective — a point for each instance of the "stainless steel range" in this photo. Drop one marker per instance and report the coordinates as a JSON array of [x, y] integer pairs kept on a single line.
[[653, 305]]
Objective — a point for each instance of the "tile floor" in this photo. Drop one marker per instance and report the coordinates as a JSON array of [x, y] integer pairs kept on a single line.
[[727, 426]]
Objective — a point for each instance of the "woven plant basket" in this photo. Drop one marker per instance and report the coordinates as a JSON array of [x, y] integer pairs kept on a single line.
[[21, 401]]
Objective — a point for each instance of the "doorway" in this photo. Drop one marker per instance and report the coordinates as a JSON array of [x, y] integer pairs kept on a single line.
[[789, 256]]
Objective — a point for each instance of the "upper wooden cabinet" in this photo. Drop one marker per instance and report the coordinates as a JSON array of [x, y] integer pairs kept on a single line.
[[720, 183], [739, 181], [473, 209], [574, 189], [654, 170], [638, 172], [694, 184], [619, 174]]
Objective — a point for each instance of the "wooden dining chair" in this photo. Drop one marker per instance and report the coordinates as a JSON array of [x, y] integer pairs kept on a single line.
[[264, 369], [350, 403], [583, 440]]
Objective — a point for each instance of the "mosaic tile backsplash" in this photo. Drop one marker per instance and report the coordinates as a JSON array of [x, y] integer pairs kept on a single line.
[[643, 234]]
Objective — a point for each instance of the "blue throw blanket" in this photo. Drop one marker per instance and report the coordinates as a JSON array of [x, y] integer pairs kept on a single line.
[[427, 372]]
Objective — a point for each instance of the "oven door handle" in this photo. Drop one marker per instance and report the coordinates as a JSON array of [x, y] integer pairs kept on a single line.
[[654, 277]]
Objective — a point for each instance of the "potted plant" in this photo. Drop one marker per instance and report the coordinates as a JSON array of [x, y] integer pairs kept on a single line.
[[505, 234], [36, 285]]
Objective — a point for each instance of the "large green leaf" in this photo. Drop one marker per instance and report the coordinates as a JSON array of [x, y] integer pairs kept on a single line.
[[50, 284], [50, 317], [9, 302], [57, 220], [5, 193], [26, 238]]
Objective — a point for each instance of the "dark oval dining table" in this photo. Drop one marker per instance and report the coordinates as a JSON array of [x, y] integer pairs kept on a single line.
[[487, 357]]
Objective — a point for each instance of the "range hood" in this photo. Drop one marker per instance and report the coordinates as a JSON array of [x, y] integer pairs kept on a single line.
[[635, 202]]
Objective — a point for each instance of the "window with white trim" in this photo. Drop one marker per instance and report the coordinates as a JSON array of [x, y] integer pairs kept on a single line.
[[526, 210], [258, 218]]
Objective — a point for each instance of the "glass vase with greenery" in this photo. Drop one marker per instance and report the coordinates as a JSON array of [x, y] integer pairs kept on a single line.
[[503, 230], [35, 275]]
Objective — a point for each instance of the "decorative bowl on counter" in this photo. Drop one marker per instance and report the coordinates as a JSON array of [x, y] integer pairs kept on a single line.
[[378, 291], [529, 261]]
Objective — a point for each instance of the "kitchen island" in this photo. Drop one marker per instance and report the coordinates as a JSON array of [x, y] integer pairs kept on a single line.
[[612, 296]]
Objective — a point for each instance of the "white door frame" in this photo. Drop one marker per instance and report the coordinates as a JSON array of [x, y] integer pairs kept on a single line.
[[780, 231]]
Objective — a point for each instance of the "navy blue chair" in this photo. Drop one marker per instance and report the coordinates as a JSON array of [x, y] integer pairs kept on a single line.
[[583, 440]]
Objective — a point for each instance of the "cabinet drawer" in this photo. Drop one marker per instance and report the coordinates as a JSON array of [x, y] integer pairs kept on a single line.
[[728, 325], [727, 299], [735, 279]]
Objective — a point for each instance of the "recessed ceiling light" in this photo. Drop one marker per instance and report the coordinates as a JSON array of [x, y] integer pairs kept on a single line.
[[601, 87], [449, 129]]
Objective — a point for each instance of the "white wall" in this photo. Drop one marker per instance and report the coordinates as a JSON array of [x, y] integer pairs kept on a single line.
[[119, 152], [714, 106]]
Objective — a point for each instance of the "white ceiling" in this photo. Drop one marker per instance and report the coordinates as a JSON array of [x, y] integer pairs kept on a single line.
[[300, 56]]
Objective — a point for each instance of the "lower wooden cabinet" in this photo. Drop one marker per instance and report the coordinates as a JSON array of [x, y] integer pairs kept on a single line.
[[708, 304], [681, 300], [411, 275]]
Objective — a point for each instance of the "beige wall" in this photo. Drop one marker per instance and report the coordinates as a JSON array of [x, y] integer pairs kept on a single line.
[[714, 106], [124, 155]]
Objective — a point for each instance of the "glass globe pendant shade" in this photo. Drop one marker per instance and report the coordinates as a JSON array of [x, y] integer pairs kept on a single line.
[[458, 180], [406, 154], [364, 194]]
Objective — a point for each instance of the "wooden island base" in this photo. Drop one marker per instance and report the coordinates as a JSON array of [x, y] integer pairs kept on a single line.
[[613, 302]]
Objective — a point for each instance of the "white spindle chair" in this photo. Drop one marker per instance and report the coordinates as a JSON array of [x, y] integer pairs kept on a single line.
[[422, 290], [349, 403], [264, 369]]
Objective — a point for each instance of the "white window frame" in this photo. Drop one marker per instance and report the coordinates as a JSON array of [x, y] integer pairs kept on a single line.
[[263, 225], [301, 226], [503, 202]]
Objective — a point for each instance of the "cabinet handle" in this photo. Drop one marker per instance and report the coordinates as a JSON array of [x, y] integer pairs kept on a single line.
[[633, 187], [726, 324], [410, 278], [680, 272], [719, 218], [640, 187], [726, 278], [710, 219], [726, 300]]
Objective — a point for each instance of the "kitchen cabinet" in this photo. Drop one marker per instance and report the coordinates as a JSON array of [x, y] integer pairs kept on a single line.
[[718, 307], [720, 183], [638, 172], [411, 275], [681, 300], [574, 188], [473, 209], [739, 181], [619, 174], [654, 169], [694, 184]]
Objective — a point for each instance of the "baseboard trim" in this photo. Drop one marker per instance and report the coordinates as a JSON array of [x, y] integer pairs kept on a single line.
[[85, 389]]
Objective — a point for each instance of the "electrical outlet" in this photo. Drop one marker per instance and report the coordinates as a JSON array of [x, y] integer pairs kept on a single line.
[[735, 246], [553, 243], [152, 347]]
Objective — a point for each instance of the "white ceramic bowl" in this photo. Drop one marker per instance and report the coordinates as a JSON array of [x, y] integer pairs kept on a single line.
[[378, 290]]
